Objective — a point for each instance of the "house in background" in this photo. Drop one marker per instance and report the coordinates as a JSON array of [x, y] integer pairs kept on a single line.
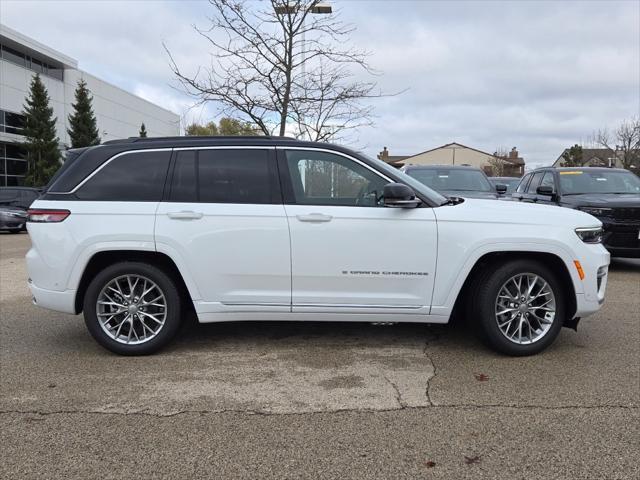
[[594, 157], [458, 154]]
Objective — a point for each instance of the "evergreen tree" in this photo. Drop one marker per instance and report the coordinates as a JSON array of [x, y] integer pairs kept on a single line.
[[83, 129], [41, 144], [143, 131]]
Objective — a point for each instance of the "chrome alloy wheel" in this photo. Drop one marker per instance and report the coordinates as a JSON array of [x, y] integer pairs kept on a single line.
[[131, 309], [525, 308]]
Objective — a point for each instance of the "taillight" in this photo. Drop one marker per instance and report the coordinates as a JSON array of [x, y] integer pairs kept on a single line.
[[46, 215]]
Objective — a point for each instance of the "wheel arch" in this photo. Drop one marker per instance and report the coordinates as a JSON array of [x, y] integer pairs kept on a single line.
[[491, 259], [103, 259]]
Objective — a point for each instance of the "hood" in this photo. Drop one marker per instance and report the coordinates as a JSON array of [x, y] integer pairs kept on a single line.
[[470, 194], [608, 200], [489, 211]]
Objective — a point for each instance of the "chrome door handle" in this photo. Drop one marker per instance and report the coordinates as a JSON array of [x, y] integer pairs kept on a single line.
[[185, 215], [314, 217]]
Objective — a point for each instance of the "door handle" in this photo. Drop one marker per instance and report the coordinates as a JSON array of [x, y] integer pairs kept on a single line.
[[185, 215], [314, 217]]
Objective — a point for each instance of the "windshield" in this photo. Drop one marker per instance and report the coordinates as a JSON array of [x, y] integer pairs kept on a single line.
[[576, 182], [450, 179], [413, 183]]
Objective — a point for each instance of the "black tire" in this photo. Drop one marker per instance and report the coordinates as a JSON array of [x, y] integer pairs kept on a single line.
[[173, 307], [482, 311]]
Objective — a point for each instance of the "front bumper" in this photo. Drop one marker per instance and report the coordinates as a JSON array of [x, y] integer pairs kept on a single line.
[[595, 264]]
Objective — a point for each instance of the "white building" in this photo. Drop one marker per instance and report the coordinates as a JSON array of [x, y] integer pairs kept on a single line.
[[119, 113]]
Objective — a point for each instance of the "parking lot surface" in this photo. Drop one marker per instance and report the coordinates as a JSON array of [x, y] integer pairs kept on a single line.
[[316, 400]]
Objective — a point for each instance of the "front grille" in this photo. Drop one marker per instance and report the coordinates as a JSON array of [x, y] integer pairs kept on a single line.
[[629, 213], [622, 239]]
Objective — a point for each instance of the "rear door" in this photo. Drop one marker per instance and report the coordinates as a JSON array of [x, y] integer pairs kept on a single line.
[[223, 222], [350, 253]]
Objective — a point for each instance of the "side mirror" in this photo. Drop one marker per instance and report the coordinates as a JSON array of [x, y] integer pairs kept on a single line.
[[501, 188], [545, 190], [399, 195]]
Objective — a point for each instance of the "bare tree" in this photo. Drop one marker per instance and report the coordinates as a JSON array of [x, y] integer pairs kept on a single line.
[[281, 67], [499, 162], [625, 139]]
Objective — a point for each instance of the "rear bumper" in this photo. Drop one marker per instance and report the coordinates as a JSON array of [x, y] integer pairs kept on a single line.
[[64, 301]]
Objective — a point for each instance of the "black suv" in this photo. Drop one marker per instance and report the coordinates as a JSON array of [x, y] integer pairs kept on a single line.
[[610, 194]]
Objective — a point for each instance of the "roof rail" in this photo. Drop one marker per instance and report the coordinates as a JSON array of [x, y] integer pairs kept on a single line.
[[197, 137]]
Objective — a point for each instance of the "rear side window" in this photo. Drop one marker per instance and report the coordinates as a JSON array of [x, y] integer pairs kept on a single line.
[[222, 176], [132, 177]]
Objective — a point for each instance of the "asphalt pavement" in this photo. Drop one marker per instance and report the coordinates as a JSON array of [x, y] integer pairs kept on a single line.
[[316, 400]]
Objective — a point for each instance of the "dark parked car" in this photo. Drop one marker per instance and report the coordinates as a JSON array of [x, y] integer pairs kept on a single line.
[[455, 180], [610, 194], [21, 197], [510, 182], [12, 219]]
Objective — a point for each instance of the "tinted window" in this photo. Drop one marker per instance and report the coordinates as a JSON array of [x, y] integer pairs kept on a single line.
[[320, 178], [523, 184], [535, 182], [222, 176], [548, 180], [132, 177]]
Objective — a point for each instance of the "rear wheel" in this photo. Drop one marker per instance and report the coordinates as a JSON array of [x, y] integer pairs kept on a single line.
[[132, 308], [519, 307]]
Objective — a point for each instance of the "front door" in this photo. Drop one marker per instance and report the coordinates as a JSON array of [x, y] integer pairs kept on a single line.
[[349, 253]]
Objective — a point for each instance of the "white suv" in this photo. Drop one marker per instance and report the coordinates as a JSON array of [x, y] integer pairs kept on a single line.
[[135, 232]]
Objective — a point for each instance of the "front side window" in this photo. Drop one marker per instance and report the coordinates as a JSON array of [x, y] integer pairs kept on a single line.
[[222, 176], [321, 178], [548, 181], [535, 182], [522, 187], [132, 177]]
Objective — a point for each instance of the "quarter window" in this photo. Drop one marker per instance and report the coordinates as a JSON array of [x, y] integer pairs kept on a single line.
[[222, 176], [132, 177], [320, 178]]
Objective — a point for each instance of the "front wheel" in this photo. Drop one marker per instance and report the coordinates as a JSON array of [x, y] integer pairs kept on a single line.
[[132, 308], [520, 307]]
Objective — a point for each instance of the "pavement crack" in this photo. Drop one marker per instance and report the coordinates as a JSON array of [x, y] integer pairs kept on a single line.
[[401, 403], [604, 407], [431, 336]]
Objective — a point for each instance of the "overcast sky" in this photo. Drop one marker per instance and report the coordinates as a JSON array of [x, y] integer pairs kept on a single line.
[[536, 75]]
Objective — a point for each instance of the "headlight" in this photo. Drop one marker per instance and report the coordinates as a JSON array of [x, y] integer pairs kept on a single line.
[[596, 211], [590, 235]]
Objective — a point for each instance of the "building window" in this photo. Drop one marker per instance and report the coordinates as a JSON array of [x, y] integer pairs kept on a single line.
[[19, 58], [13, 166], [11, 122]]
